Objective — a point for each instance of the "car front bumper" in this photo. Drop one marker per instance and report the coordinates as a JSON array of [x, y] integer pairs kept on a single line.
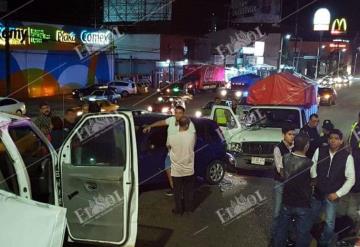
[[243, 161]]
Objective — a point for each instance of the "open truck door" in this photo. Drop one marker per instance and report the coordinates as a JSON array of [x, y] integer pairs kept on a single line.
[[226, 119], [99, 180]]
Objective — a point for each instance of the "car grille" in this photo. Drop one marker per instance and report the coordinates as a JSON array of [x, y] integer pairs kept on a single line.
[[265, 148]]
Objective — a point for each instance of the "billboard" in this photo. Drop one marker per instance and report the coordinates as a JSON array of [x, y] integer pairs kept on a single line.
[[255, 11]]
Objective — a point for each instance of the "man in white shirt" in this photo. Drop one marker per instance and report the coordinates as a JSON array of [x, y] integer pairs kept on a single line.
[[173, 128], [181, 149], [335, 175]]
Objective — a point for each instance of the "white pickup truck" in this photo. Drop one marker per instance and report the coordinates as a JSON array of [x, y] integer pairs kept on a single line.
[[251, 139], [94, 176]]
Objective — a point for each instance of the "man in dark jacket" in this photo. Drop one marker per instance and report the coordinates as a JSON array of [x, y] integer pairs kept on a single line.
[[327, 127], [280, 150], [296, 194], [334, 172], [311, 130]]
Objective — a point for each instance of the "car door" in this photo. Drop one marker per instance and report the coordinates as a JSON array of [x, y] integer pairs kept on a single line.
[[226, 119], [99, 180]]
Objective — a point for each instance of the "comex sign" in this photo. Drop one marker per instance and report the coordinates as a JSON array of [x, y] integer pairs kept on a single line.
[[96, 38], [339, 26]]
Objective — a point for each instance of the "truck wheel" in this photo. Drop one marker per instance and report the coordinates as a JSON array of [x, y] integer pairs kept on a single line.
[[215, 172]]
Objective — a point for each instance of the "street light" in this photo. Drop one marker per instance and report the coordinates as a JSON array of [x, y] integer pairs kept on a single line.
[[321, 23], [287, 37]]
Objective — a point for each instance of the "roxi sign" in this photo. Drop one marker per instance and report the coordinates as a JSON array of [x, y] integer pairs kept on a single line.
[[96, 38], [339, 26], [65, 37]]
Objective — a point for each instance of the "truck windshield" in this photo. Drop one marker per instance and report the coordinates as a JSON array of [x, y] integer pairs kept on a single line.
[[274, 118]]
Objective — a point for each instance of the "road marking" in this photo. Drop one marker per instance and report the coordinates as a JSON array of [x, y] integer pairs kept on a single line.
[[202, 229]]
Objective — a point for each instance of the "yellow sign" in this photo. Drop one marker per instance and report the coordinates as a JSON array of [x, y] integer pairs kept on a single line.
[[339, 26]]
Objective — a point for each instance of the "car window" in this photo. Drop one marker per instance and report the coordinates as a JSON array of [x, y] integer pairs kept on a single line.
[[37, 159], [100, 142], [121, 84], [7, 102], [98, 93], [8, 177]]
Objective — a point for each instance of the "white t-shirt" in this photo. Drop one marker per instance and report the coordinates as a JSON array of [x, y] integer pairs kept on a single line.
[[182, 153], [173, 128]]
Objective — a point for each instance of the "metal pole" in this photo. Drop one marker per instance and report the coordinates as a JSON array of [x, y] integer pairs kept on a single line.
[[280, 53], [318, 56], [356, 55], [7, 58], [338, 67]]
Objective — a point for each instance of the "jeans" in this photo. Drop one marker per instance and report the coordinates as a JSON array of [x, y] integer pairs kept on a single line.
[[184, 189], [278, 192], [303, 225], [327, 236]]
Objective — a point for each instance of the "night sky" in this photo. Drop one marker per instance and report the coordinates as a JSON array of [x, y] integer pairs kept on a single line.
[[189, 16]]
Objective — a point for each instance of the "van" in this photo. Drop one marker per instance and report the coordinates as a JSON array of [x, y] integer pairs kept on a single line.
[[125, 88], [94, 175]]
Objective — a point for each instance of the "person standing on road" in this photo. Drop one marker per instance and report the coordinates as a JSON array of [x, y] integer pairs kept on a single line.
[[181, 149], [334, 172], [173, 128], [69, 120], [354, 195], [284, 147], [296, 195], [324, 139], [43, 121], [311, 130]]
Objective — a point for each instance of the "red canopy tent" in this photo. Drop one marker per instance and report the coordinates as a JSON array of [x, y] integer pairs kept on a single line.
[[282, 89]]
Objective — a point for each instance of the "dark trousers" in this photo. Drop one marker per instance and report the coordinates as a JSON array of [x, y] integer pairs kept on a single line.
[[303, 225], [183, 189]]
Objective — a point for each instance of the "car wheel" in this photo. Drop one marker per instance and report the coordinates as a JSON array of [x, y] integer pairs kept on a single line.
[[333, 102], [125, 93], [215, 172], [19, 112]]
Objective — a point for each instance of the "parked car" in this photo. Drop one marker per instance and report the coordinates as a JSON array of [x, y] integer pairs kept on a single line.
[[142, 87], [105, 106], [166, 105], [327, 95], [101, 95], [81, 92], [13, 106], [93, 176], [125, 88], [211, 158]]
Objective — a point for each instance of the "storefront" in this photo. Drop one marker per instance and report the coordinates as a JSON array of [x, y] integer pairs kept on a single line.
[[47, 59]]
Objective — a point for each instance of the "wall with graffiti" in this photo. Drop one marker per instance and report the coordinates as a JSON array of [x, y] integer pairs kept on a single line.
[[44, 60]]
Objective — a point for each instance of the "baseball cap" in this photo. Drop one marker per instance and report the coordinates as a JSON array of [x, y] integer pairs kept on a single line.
[[327, 124]]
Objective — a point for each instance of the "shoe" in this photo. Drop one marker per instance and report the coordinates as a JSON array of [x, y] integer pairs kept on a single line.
[[290, 243], [169, 193]]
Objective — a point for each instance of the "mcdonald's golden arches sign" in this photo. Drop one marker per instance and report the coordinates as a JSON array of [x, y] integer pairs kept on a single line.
[[339, 26]]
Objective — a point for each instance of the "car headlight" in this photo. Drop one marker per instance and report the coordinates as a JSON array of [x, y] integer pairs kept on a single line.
[[168, 90], [171, 99], [150, 108], [73, 93], [198, 114], [236, 147], [223, 93], [160, 99], [327, 96], [165, 109], [238, 94], [158, 90]]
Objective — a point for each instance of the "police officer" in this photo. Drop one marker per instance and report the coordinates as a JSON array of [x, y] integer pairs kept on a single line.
[[326, 127]]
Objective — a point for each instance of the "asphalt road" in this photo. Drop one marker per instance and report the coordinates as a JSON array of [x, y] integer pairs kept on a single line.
[[210, 224]]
